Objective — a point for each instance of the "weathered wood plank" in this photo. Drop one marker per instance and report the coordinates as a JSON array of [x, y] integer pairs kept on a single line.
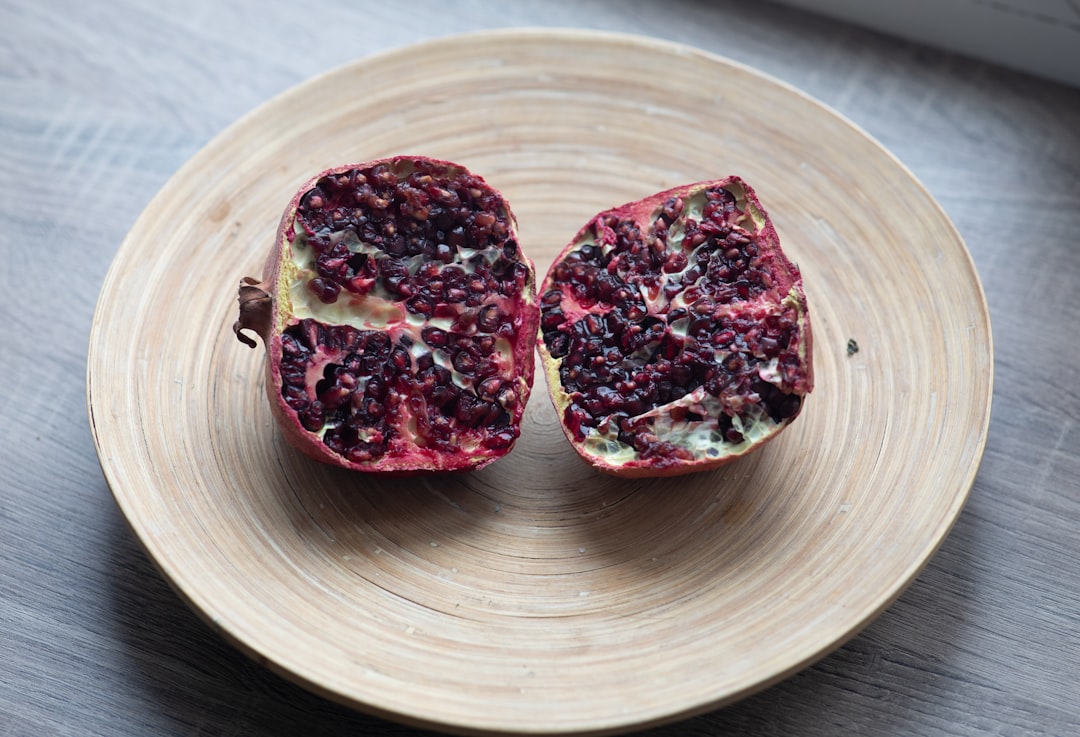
[[100, 103]]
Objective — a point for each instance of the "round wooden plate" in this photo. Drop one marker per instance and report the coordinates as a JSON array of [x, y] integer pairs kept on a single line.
[[537, 596]]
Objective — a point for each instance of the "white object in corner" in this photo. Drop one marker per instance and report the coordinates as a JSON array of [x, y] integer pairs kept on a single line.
[[1037, 36]]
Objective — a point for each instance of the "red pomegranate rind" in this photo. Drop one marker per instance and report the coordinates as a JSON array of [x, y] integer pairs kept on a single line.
[[675, 333], [399, 317]]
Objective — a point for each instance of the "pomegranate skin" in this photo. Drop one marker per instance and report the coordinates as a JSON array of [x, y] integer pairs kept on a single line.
[[675, 334], [359, 273]]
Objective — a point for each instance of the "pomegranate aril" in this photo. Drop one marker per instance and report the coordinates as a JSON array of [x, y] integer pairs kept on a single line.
[[420, 305], [558, 344], [465, 363], [489, 388], [376, 388], [373, 408], [489, 319], [401, 360], [295, 396], [443, 396], [552, 319], [501, 439], [289, 346], [334, 397], [313, 417], [293, 373]]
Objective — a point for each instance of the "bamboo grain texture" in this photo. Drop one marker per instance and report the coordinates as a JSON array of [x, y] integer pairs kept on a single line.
[[537, 594]]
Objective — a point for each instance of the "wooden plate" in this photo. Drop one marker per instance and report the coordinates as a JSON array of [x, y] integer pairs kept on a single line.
[[537, 596]]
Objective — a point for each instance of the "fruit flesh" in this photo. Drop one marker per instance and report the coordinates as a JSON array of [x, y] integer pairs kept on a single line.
[[675, 332], [404, 316]]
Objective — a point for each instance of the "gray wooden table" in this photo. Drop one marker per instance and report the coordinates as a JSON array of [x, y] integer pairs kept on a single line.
[[102, 101]]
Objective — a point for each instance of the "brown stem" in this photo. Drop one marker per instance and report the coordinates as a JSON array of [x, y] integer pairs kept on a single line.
[[256, 310]]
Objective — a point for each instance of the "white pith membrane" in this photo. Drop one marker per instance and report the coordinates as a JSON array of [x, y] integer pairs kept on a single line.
[[380, 310], [668, 422]]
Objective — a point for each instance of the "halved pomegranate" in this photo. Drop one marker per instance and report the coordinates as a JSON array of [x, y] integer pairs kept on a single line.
[[399, 318], [675, 333]]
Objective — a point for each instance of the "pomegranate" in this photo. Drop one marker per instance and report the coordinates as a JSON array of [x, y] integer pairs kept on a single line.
[[399, 319], [675, 333]]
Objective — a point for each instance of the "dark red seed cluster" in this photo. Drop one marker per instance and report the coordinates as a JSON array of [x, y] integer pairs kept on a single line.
[[432, 242], [369, 229], [641, 319], [365, 380]]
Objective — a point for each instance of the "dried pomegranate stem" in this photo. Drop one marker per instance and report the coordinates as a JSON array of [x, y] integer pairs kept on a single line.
[[256, 310]]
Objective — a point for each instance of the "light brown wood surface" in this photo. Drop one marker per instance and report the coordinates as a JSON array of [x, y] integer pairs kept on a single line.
[[539, 595], [105, 103]]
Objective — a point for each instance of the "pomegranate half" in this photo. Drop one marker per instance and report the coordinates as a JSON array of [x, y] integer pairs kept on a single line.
[[674, 332], [399, 317]]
